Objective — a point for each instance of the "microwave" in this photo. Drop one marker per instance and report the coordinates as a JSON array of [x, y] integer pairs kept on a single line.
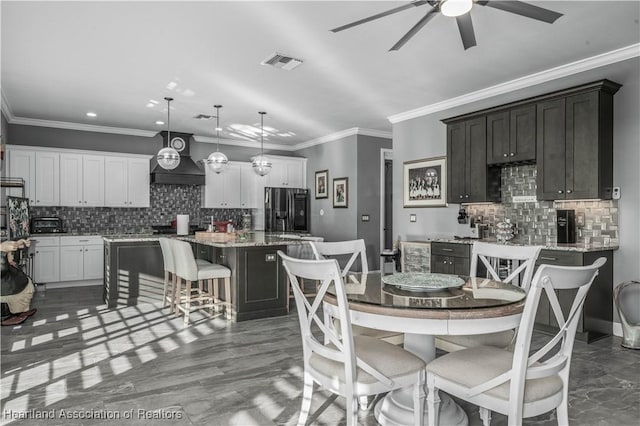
[[46, 225]]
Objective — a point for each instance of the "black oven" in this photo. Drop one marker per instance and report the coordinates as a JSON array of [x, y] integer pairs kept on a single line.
[[46, 225]]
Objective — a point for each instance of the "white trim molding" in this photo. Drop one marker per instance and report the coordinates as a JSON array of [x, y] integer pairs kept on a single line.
[[6, 108], [550, 74], [82, 127], [341, 135]]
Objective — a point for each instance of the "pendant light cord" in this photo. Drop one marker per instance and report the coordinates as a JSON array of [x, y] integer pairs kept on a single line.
[[262, 113], [217, 107], [168, 121]]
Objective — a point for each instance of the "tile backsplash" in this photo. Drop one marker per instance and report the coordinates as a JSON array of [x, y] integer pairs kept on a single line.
[[536, 221], [167, 201]]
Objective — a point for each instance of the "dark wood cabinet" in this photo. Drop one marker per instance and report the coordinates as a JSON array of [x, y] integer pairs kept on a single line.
[[575, 144], [469, 179], [597, 316], [511, 136], [450, 258]]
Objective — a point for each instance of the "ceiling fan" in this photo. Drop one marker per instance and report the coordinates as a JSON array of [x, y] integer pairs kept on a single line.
[[460, 10]]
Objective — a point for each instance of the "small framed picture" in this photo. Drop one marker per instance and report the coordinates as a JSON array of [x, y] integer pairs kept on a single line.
[[322, 184], [341, 192], [424, 183]]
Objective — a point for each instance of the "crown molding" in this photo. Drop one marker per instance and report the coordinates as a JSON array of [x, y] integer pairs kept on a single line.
[[243, 143], [6, 108], [82, 127], [550, 74], [341, 135]]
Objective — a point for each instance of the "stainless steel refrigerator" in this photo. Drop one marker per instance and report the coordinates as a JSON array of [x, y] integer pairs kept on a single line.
[[286, 210]]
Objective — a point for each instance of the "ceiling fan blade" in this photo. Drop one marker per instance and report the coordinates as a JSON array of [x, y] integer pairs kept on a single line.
[[465, 25], [381, 15], [417, 27], [524, 9]]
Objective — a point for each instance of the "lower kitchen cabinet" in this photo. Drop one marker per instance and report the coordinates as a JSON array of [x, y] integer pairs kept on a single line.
[[81, 258], [450, 258], [258, 279], [597, 316], [46, 259]]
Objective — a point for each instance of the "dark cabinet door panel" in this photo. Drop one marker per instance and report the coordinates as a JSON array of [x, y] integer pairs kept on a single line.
[[522, 134], [551, 153], [476, 184], [582, 146], [441, 264], [497, 137], [456, 162]]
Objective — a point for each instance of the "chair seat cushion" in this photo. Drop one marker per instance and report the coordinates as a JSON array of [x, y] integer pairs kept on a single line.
[[212, 270], [500, 339], [474, 366], [388, 336], [391, 360]]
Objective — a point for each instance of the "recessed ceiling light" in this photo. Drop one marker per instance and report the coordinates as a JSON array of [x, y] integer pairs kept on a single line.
[[160, 122], [92, 114]]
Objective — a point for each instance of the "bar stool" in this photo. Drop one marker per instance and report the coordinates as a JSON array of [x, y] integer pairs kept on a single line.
[[208, 275], [169, 272]]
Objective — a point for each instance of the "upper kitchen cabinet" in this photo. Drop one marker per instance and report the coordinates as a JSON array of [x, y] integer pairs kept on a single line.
[[222, 190], [575, 143], [81, 180], [287, 172], [40, 170], [126, 181], [468, 177], [252, 188], [511, 136]]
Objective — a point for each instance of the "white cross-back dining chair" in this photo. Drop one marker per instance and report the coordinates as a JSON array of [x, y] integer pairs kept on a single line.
[[515, 383], [510, 264], [347, 365], [357, 250]]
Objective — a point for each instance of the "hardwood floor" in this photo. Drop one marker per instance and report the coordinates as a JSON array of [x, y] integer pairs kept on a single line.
[[139, 365]]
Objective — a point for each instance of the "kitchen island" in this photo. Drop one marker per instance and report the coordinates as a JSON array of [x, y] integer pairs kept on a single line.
[[134, 270]]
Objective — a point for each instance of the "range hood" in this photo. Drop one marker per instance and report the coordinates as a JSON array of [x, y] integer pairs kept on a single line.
[[187, 172]]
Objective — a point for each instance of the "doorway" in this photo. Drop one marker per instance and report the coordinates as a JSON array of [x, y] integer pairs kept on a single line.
[[386, 199]]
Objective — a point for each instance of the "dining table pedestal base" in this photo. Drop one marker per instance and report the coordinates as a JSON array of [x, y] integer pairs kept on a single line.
[[396, 408]]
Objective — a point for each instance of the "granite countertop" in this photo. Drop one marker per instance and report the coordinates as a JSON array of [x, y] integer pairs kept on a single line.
[[250, 239], [579, 247]]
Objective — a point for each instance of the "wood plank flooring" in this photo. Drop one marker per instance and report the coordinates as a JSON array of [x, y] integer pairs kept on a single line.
[[139, 365]]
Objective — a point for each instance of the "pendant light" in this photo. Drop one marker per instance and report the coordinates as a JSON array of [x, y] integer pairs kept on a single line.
[[261, 164], [168, 158], [217, 160]]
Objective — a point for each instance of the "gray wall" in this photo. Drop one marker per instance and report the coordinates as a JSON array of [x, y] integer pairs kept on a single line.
[[368, 193], [358, 158], [340, 158], [425, 136], [94, 141]]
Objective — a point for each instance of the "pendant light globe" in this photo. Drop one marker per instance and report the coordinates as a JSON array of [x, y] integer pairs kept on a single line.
[[217, 161], [168, 158], [261, 164]]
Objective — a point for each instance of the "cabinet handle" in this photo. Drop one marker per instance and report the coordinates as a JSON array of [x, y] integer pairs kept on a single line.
[[447, 249], [81, 250], [461, 196], [569, 191], [466, 196], [512, 154], [80, 202], [504, 155], [86, 249], [85, 202], [445, 262], [83, 241], [560, 191], [548, 258]]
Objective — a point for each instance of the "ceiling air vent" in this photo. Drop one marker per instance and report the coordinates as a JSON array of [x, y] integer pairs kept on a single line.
[[203, 117], [279, 60]]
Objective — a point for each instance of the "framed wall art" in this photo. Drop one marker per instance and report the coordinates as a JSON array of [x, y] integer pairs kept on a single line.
[[425, 182], [341, 192], [322, 184]]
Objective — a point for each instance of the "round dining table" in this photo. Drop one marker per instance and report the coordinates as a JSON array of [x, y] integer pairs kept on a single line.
[[407, 303]]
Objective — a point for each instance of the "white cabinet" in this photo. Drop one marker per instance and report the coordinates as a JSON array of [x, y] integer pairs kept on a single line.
[[22, 164], [126, 182], [223, 190], [251, 188], [81, 180], [287, 173], [93, 180], [40, 171], [46, 261], [47, 178], [81, 258]]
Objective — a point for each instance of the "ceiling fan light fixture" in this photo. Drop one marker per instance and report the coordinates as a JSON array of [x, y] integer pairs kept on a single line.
[[217, 161], [261, 164], [453, 8], [168, 158]]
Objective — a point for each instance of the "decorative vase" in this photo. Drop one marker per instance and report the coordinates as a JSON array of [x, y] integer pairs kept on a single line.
[[505, 231]]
